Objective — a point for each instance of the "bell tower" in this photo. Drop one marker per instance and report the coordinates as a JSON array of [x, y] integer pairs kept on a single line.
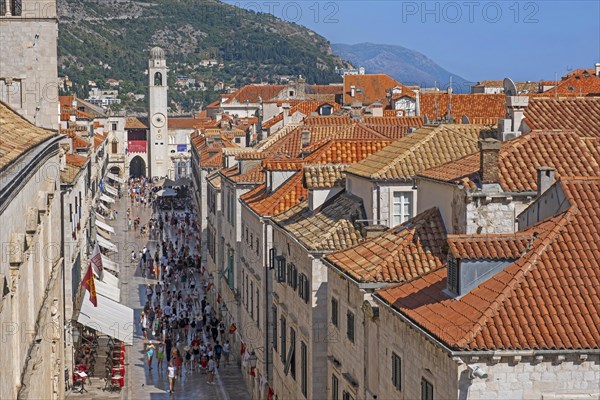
[[158, 146]]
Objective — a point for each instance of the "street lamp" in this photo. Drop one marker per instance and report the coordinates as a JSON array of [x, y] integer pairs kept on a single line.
[[252, 359]]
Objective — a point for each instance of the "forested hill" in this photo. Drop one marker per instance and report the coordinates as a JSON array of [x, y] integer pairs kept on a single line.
[[110, 39]]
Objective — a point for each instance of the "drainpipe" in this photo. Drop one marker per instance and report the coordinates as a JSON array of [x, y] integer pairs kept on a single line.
[[378, 204], [266, 296]]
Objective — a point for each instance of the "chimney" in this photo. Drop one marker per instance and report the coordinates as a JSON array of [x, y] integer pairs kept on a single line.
[[377, 109], [286, 114], [489, 150], [372, 231], [305, 138], [516, 108], [545, 179], [598, 69]]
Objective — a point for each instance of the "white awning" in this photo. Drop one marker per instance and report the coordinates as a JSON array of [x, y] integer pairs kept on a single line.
[[104, 226], [106, 199], [106, 244], [108, 278], [115, 177], [104, 234], [110, 291], [110, 318], [103, 207], [111, 190], [109, 264], [99, 216]]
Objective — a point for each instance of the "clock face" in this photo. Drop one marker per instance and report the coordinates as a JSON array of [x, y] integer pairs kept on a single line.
[[158, 120]]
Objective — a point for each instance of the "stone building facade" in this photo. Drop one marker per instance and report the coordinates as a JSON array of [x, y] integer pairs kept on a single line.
[[28, 67], [31, 304]]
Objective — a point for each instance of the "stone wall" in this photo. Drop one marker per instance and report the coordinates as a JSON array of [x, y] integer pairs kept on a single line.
[[31, 313], [549, 378], [28, 63], [420, 359], [495, 214]]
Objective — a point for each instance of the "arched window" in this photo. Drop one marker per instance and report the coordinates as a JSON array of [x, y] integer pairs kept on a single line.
[[115, 146], [158, 79]]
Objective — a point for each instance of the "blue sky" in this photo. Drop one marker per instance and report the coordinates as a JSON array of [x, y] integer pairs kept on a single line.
[[526, 40]]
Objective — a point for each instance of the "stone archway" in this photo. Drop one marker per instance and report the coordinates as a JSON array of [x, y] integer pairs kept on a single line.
[[137, 167]]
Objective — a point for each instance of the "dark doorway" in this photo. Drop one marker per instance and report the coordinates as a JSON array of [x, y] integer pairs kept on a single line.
[[137, 167]]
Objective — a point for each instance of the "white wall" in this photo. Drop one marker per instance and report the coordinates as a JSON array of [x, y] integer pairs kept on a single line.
[[440, 195]]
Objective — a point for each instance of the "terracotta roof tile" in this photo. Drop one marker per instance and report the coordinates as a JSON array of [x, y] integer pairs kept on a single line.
[[581, 82], [253, 175], [400, 254], [368, 88], [98, 140], [76, 160], [134, 123], [17, 135], [334, 226], [214, 179], [254, 93], [427, 147], [580, 114], [489, 247], [519, 158], [324, 176], [547, 299], [329, 120], [487, 106]]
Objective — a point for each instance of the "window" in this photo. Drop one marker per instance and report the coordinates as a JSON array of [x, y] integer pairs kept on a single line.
[[303, 290], [257, 305], [290, 365], [272, 255], [334, 312], [453, 279], [350, 326], [230, 269], [251, 241], [396, 371], [280, 269], [251, 299], [274, 311], [283, 354], [402, 207], [257, 245], [335, 387], [303, 369], [426, 390], [346, 396], [114, 146], [114, 126], [158, 79]]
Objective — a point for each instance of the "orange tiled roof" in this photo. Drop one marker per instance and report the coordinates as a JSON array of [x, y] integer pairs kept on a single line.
[[98, 139], [292, 192], [253, 93], [402, 253], [581, 82], [427, 147], [134, 123], [368, 88], [518, 159], [546, 299], [253, 175], [580, 114], [76, 160], [184, 123], [17, 135], [324, 176], [489, 106], [489, 247], [329, 120], [334, 226], [271, 122], [65, 101]]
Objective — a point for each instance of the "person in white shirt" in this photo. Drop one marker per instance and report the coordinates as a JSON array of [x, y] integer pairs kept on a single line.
[[172, 374], [212, 365]]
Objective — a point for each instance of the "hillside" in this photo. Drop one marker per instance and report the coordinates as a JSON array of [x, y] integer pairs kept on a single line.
[[110, 39], [405, 65]]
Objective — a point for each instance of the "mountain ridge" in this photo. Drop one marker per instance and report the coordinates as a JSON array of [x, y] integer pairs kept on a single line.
[[409, 67]]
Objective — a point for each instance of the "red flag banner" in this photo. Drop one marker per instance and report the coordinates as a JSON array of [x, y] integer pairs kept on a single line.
[[88, 283]]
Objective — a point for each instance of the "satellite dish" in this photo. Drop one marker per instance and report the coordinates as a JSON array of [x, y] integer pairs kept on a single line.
[[510, 89], [465, 120]]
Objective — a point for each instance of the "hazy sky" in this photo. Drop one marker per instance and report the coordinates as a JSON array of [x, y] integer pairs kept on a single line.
[[526, 40]]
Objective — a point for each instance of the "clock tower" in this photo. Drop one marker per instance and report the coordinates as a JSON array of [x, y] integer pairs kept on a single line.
[[158, 146]]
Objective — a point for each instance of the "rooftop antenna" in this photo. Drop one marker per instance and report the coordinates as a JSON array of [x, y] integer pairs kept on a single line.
[[449, 117], [435, 105]]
